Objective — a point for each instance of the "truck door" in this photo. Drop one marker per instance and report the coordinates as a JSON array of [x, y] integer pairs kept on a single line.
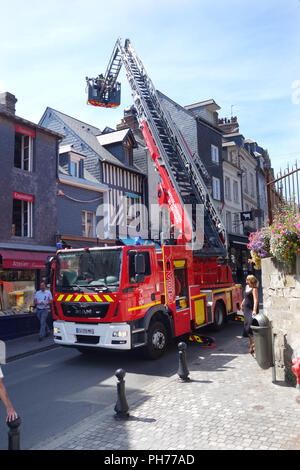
[[144, 290], [182, 302]]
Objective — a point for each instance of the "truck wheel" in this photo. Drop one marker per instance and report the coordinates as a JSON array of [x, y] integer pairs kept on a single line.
[[156, 340], [219, 316]]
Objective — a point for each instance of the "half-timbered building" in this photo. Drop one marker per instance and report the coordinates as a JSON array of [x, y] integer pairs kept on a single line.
[[99, 186]]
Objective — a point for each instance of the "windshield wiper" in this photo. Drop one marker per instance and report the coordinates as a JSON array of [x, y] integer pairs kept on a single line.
[[96, 287], [79, 289]]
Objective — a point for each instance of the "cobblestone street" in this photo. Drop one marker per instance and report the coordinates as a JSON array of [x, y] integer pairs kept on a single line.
[[230, 403]]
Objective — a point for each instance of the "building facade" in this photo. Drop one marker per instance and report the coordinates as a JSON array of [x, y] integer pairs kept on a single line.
[[248, 179], [28, 215], [100, 189]]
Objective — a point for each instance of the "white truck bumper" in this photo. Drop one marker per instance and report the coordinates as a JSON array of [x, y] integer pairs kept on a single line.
[[101, 335]]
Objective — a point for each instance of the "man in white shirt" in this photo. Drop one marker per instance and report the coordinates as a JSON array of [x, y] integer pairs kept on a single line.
[[42, 301], [11, 415]]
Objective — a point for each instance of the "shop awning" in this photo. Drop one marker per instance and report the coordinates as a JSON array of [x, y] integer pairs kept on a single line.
[[14, 259]]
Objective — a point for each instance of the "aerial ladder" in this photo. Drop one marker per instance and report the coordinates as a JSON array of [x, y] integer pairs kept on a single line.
[[182, 174]]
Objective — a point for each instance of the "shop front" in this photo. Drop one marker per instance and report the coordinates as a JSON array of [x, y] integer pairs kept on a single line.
[[238, 256], [20, 276]]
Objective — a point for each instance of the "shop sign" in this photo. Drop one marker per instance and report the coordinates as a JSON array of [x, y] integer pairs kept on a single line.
[[22, 264], [24, 130], [246, 216], [23, 197]]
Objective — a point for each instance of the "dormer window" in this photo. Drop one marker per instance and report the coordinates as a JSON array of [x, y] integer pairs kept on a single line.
[[76, 165], [128, 153]]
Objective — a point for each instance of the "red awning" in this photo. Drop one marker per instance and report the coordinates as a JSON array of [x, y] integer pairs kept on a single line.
[[24, 259]]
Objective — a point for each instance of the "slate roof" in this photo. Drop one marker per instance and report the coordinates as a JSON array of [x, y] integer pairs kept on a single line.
[[85, 132], [113, 137]]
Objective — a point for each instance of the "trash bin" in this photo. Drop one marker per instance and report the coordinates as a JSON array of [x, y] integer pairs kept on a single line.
[[262, 335]]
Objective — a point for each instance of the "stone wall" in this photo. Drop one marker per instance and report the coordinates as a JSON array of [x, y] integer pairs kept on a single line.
[[281, 301]]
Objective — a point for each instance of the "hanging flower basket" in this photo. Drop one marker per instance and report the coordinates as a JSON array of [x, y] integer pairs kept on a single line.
[[280, 240]]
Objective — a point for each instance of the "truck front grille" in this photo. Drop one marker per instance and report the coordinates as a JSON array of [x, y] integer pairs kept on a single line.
[[85, 309], [84, 339]]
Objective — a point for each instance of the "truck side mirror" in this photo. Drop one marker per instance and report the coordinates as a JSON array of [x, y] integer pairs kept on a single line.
[[49, 268], [139, 264]]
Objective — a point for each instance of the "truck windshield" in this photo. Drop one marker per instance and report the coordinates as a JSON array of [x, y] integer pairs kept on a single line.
[[89, 269]]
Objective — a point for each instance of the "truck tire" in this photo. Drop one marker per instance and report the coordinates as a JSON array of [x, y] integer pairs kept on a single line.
[[156, 340], [219, 316]]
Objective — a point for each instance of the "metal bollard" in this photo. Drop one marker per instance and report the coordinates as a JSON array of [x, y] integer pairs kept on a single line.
[[121, 407], [14, 434], [183, 371]]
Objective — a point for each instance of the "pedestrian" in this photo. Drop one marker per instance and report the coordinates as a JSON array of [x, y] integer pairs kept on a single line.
[[11, 414], [250, 306], [42, 301]]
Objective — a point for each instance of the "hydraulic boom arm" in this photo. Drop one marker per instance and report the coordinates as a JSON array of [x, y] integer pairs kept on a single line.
[[182, 174]]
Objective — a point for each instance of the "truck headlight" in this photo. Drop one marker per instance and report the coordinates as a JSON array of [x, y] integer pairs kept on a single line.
[[119, 334], [56, 331]]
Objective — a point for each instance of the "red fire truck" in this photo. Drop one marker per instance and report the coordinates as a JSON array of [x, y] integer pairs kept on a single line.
[[145, 294]]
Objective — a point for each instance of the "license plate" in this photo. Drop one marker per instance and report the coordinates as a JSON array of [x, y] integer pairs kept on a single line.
[[85, 331]]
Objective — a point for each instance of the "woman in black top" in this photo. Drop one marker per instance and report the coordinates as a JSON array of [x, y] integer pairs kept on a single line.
[[250, 307]]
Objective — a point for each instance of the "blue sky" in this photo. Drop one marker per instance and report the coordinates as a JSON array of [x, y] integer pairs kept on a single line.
[[240, 52]]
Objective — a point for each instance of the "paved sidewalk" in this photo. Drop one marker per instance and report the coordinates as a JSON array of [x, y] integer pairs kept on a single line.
[[26, 346], [230, 403]]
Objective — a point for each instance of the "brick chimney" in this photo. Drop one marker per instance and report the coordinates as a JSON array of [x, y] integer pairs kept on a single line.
[[8, 102], [129, 121], [229, 125]]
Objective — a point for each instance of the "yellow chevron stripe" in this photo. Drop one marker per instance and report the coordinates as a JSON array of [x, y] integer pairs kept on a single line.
[[87, 298], [107, 297], [77, 297], [69, 297], [98, 298], [60, 297]]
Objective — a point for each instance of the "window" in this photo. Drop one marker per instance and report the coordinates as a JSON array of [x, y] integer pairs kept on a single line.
[[130, 210], [227, 188], [96, 268], [128, 153], [232, 158], [22, 218], [74, 169], [236, 223], [214, 154], [246, 181], [252, 184], [216, 191], [76, 166], [88, 224], [181, 284], [235, 191], [23, 152], [17, 290], [132, 264], [228, 222]]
